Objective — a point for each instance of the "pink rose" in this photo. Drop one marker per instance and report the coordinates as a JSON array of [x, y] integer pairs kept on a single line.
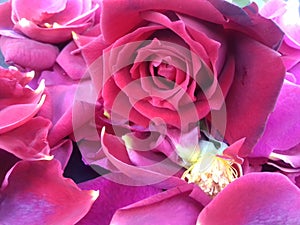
[[48, 21], [183, 62]]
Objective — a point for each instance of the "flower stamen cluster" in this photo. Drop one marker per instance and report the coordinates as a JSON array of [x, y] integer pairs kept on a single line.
[[214, 178]]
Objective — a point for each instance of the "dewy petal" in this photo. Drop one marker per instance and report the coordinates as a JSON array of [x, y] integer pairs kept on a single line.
[[28, 53], [113, 197], [35, 192], [256, 198], [253, 92], [180, 205], [283, 128]]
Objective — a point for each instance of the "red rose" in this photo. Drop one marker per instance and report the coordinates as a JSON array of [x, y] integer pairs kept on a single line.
[[184, 61]]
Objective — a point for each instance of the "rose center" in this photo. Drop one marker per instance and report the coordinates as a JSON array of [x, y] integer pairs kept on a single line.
[[212, 178], [209, 165]]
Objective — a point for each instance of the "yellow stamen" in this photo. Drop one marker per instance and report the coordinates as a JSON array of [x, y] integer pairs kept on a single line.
[[106, 114], [208, 165], [211, 178]]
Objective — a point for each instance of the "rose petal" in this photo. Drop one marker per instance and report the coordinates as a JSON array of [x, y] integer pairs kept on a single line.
[[5, 12], [251, 98], [250, 22], [72, 63], [161, 173], [28, 53], [62, 152], [248, 200], [283, 128], [36, 191], [117, 21], [28, 141], [180, 205], [58, 108], [39, 9], [113, 197]]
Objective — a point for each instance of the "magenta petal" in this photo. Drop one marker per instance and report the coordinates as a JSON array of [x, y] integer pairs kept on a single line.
[[28, 53], [253, 93], [256, 198], [62, 152], [113, 197], [36, 193], [38, 9], [72, 63], [180, 205], [5, 12], [58, 107], [283, 128]]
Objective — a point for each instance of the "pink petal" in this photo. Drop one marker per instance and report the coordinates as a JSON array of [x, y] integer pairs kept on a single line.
[[180, 205], [16, 115], [72, 63], [62, 152], [112, 197], [35, 192], [39, 10], [283, 128], [28, 53], [5, 12], [28, 141], [249, 200], [161, 173], [58, 108]]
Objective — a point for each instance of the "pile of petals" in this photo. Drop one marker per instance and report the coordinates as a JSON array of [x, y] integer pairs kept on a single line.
[[149, 112]]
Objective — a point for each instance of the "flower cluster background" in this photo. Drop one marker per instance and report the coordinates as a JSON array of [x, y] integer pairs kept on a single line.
[[149, 112]]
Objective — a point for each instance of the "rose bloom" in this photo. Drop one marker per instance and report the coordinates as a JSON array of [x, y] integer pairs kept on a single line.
[[182, 62], [48, 21], [163, 70]]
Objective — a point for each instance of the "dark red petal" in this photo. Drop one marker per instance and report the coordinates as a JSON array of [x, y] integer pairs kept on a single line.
[[258, 78], [117, 21]]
